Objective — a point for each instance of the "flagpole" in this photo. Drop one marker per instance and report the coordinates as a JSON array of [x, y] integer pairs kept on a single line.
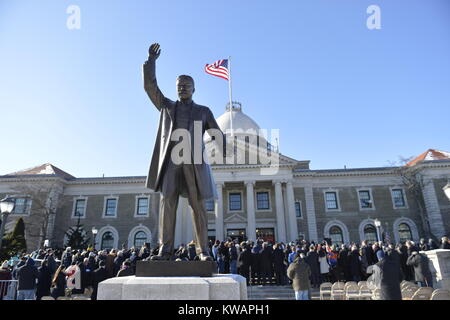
[[230, 92]]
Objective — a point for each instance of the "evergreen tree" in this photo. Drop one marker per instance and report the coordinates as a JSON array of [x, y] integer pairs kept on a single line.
[[14, 242], [76, 237]]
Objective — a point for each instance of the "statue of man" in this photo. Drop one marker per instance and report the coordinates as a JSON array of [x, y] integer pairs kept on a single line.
[[188, 179]]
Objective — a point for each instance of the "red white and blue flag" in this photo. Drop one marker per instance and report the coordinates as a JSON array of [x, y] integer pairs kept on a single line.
[[219, 69]]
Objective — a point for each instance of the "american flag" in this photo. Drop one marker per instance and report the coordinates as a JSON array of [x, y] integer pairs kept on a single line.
[[218, 69]]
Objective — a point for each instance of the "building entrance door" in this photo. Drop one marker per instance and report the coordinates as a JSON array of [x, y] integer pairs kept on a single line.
[[267, 234], [237, 234]]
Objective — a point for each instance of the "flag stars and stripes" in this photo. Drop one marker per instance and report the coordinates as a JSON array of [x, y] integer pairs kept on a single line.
[[218, 69]]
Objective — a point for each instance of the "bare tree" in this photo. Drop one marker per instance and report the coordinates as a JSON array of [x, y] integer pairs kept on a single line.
[[414, 183], [45, 196]]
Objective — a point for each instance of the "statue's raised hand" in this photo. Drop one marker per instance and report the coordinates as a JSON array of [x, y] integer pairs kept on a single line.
[[154, 51]]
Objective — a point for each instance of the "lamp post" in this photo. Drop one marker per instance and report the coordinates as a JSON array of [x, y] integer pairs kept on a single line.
[[6, 207], [378, 225], [446, 189], [94, 233]]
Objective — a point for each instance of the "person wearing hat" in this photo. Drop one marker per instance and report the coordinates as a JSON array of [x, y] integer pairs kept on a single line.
[[387, 276], [5, 274]]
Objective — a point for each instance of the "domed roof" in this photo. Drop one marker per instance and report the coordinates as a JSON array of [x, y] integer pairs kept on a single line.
[[240, 120]]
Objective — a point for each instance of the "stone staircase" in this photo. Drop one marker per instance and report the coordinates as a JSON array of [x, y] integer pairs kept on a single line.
[[272, 292]]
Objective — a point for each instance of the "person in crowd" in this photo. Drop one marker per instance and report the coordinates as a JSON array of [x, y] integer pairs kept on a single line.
[[312, 259], [51, 262], [278, 264], [99, 275], [387, 276], [110, 263], [191, 251], [44, 280], [59, 283], [226, 257], [332, 256], [432, 244], [355, 264], [423, 246], [5, 275], [367, 257], [126, 269], [27, 276], [323, 263], [21, 263], [215, 249], [266, 264], [256, 262], [182, 253], [221, 257], [445, 244], [233, 253], [299, 272], [343, 262], [245, 261], [293, 254], [66, 259], [422, 273]]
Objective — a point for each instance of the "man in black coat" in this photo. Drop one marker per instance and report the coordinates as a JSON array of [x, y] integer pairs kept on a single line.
[[27, 275], [343, 262], [266, 264], [278, 264], [387, 276], [99, 275], [256, 263], [355, 264], [245, 261], [44, 281], [422, 272], [312, 259]]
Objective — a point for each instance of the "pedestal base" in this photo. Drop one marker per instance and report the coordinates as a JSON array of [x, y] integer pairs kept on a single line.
[[218, 287]]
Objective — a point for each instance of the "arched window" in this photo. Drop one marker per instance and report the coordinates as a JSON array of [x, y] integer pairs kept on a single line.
[[404, 232], [336, 235], [140, 238], [107, 241], [370, 233]]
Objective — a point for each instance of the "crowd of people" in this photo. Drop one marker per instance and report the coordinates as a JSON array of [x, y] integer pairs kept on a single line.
[[304, 264]]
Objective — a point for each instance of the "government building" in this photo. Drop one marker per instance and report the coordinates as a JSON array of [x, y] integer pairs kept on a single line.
[[344, 205]]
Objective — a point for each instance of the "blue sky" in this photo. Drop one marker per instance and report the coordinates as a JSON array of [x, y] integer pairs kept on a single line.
[[340, 94]]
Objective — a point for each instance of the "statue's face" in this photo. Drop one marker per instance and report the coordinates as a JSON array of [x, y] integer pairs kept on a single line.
[[185, 89]]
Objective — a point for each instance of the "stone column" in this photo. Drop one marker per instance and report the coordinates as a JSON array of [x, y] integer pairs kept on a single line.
[[311, 214], [218, 210], [281, 225], [292, 219], [432, 208], [251, 223]]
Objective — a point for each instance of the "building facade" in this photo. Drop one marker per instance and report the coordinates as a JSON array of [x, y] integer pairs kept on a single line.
[[294, 203]]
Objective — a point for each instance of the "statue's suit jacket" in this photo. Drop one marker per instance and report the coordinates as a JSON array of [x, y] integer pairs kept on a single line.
[[161, 153]]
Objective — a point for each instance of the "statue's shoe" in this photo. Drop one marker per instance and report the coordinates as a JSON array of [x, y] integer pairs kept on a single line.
[[164, 256], [205, 257]]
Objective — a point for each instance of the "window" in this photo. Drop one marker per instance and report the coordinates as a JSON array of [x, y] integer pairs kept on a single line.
[[140, 238], [212, 235], [398, 198], [370, 233], [235, 201], [404, 232], [298, 209], [262, 200], [80, 206], [142, 207], [22, 206], [209, 205], [331, 200], [336, 235], [107, 241], [110, 208], [365, 200]]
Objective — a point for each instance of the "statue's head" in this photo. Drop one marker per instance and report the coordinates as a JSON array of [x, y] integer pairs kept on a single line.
[[185, 87]]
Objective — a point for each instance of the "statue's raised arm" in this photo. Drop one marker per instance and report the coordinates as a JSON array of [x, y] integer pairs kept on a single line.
[[150, 84]]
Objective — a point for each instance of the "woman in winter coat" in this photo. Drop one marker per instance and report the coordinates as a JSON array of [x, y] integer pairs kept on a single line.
[[44, 280], [299, 272], [324, 266]]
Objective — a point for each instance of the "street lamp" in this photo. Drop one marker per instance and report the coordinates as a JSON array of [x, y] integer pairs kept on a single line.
[[378, 225], [6, 207], [446, 189], [94, 233]]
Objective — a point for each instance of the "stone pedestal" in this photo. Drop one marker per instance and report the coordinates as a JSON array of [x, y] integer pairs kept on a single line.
[[439, 267], [217, 287]]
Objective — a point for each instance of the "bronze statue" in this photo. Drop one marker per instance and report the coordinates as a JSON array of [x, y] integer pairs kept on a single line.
[[190, 180]]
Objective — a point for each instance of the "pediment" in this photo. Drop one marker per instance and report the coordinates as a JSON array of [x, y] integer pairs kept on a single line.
[[235, 218]]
